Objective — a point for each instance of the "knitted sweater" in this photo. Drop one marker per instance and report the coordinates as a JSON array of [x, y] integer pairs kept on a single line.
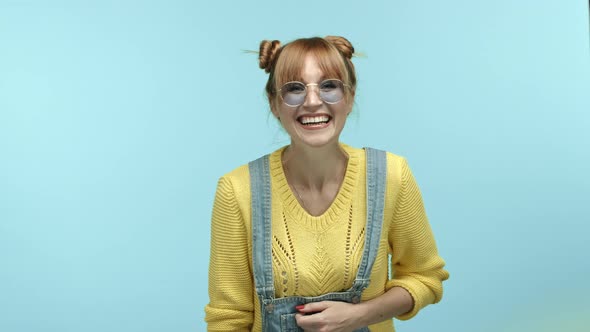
[[314, 255]]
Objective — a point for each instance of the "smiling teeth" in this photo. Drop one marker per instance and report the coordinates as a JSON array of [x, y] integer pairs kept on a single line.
[[315, 119]]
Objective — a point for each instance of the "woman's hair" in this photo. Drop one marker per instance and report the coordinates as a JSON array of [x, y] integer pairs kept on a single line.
[[285, 63]]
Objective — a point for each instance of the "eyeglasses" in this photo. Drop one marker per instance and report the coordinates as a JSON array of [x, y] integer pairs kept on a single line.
[[331, 91]]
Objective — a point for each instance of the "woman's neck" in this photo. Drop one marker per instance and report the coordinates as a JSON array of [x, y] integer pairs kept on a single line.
[[314, 168]]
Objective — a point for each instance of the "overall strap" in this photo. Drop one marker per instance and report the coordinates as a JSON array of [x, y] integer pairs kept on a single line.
[[261, 226], [376, 181]]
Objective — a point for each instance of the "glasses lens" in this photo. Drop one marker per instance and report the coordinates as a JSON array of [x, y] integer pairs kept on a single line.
[[331, 91], [293, 93]]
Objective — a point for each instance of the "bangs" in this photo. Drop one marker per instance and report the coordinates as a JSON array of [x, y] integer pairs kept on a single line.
[[292, 59]]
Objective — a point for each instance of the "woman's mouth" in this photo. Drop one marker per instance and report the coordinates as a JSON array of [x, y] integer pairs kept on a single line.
[[314, 122]]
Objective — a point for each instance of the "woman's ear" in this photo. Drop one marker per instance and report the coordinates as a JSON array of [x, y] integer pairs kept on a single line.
[[274, 108], [275, 112]]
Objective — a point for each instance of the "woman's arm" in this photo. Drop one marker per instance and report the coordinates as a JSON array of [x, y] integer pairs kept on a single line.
[[231, 304], [416, 265]]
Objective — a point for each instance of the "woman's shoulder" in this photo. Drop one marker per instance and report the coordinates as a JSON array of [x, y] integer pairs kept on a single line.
[[236, 174], [240, 176], [398, 169]]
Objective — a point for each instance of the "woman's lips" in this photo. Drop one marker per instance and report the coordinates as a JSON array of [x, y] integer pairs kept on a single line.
[[317, 121]]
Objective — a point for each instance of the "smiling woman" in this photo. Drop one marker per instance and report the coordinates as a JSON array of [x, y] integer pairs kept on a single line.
[[301, 238]]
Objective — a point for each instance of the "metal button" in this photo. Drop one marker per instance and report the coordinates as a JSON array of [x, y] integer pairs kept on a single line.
[[269, 307], [356, 299]]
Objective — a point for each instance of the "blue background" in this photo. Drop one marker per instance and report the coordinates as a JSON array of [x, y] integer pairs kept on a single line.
[[118, 117]]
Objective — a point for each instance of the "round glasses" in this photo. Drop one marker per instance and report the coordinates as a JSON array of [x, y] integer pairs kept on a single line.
[[331, 91]]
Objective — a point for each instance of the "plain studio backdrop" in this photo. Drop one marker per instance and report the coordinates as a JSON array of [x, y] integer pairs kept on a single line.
[[118, 117]]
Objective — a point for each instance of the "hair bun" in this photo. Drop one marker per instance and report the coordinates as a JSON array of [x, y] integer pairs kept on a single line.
[[342, 44], [268, 53]]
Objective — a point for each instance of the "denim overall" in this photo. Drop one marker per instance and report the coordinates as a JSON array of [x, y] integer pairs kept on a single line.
[[279, 314]]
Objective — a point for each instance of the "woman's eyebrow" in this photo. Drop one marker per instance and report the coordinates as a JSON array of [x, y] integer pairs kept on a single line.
[[322, 78]]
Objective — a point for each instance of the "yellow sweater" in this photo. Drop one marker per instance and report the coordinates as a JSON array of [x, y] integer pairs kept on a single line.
[[313, 255]]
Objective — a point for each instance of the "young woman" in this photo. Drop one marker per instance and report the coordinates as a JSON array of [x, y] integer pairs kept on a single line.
[[303, 238]]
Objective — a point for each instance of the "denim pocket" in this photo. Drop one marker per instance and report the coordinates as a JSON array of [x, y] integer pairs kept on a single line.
[[289, 324]]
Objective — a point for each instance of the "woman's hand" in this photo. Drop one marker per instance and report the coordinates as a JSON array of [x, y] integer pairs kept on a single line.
[[329, 316]]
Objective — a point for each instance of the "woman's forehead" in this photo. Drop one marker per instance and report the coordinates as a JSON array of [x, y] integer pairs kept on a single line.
[[310, 69], [311, 72]]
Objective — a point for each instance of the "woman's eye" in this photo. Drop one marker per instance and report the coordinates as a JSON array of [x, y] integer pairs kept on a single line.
[[295, 88], [329, 85]]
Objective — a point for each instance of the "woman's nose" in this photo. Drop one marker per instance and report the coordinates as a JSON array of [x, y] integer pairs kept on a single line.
[[312, 96]]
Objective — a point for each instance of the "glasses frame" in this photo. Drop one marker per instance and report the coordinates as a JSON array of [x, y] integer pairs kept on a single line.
[[306, 90]]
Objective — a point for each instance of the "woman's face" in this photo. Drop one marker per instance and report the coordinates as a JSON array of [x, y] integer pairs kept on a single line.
[[314, 123]]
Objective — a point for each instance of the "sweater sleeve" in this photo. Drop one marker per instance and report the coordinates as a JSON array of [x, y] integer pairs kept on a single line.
[[416, 265], [231, 303]]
